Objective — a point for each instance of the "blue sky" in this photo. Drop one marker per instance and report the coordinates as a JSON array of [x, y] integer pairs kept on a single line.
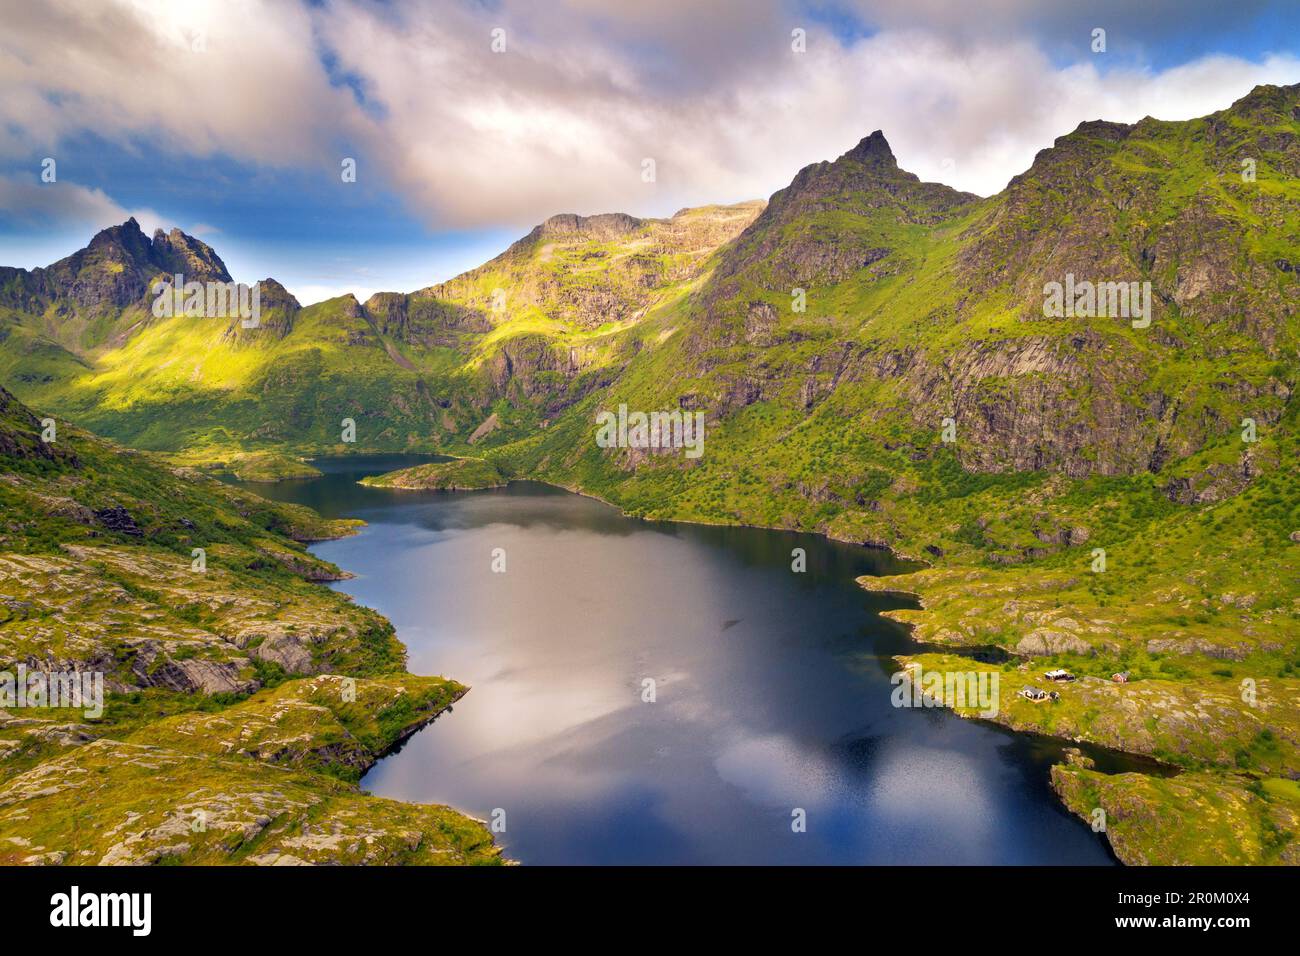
[[231, 120]]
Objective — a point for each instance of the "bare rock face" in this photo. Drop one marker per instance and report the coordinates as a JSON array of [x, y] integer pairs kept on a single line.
[[1191, 646], [287, 650], [118, 519], [567, 226], [200, 676], [1045, 641], [486, 428]]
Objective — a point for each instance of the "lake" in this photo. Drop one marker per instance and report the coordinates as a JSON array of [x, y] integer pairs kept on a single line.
[[771, 691]]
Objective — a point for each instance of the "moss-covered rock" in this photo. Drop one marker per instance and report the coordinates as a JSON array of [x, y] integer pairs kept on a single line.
[[463, 474], [190, 596], [1193, 819], [114, 802], [1236, 801], [266, 466]]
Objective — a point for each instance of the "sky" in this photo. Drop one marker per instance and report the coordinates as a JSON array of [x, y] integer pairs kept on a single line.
[[470, 121]]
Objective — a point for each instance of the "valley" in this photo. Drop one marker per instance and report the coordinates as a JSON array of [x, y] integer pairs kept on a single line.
[[826, 336]]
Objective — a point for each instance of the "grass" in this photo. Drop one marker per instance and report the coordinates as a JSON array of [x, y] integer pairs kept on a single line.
[[922, 305]]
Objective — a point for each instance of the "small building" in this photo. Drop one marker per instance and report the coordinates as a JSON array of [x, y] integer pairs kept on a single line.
[[1120, 678], [1033, 693]]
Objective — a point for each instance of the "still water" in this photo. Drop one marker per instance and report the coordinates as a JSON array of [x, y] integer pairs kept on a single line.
[[771, 689]]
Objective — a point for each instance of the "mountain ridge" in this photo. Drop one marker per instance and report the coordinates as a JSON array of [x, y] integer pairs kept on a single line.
[[875, 362]]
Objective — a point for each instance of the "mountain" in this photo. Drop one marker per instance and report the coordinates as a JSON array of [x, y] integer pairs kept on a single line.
[[81, 301], [412, 371], [1108, 486], [246, 701]]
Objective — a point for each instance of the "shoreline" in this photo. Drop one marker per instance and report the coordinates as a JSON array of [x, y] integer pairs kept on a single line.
[[1067, 778], [875, 584]]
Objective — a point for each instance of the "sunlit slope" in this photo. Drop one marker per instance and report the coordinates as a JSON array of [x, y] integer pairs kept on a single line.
[[410, 371], [1114, 498], [233, 682]]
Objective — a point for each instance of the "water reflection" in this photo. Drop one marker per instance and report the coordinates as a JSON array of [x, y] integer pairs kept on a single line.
[[771, 690]]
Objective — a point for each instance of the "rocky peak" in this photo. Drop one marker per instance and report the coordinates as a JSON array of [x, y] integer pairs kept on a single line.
[[178, 252], [114, 272], [351, 307], [864, 180], [127, 245], [127, 238], [1269, 105], [873, 150], [274, 295], [868, 174], [279, 308]]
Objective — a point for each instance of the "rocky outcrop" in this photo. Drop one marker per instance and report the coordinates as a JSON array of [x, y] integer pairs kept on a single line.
[[114, 271], [806, 236], [21, 435], [278, 308], [103, 294], [570, 228]]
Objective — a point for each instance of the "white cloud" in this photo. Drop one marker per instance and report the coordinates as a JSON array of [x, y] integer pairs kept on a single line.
[[562, 120], [27, 202], [201, 77]]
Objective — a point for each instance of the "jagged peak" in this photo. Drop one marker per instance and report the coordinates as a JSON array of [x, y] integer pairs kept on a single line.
[[180, 252], [870, 165], [873, 150], [128, 234], [276, 295], [1268, 100]]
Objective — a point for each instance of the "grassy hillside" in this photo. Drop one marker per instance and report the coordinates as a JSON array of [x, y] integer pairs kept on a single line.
[[244, 701], [411, 372], [874, 362], [462, 474]]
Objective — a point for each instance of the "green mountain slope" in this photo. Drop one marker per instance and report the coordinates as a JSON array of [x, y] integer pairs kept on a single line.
[[412, 371], [1098, 508], [874, 361], [243, 701]]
